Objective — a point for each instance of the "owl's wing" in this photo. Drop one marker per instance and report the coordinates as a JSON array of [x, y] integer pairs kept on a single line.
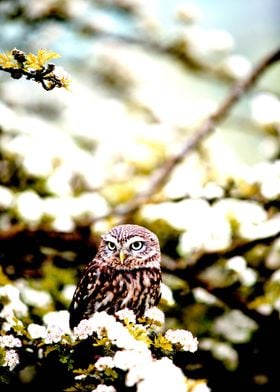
[[83, 302]]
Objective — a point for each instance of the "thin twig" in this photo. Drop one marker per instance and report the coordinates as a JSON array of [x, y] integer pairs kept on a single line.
[[44, 76]]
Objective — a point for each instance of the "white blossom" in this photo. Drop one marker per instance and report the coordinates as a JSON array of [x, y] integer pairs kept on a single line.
[[268, 177], [250, 218], [126, 314], [242, 211], [202, 295], [200, 386], [275, 277], [14, 307], [54, 335], [235, 326], [104, 362], [83, 330], [194, 211], [60, 73], [218, 232], [127, 359], [10, 341], [89, 203], [68, 291], [204, 44], [6, 197], [182, 337], [247, 275], [37, 331], [206, 228], [9, 119], [11, 359], [38, 162], [265, 109], [226, 353], [265, 309], [264, 229], [135, 374], [63, 222], [104, 388], [137, 364], [105, 325], [270, 186], [59, 182], [236, 66], [167, 294], [80, 377], [162, 375], [59, 210], [222, 351], [212, 190], [38, 298], [58, 319], [97, 323], [10, 322], [29, 206], [155, 314], [57, 325], [41, 353], [121, 337], [237, 264]]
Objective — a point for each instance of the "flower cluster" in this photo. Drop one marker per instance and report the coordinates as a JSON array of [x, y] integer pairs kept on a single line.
[[182, 338], [136, 346], [13, 307], [212, 226], [11, 357], [140, 349]]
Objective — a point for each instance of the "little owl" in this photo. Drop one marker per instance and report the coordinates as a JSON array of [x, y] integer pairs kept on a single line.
[[125, 273]]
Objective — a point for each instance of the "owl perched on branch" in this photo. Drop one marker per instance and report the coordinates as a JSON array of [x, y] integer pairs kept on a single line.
[[125, 273]]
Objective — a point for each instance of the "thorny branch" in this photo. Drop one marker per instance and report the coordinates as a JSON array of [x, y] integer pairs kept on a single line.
[[161, 176]]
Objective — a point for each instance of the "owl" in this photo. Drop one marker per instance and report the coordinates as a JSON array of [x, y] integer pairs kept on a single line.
[[125, 273]]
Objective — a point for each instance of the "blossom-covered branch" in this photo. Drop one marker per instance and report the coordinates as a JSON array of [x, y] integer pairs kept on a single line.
[[161, 176], [121, 351], [35, 67]]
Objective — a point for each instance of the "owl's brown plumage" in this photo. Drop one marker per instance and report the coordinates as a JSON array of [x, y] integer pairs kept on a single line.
[[125, 273]]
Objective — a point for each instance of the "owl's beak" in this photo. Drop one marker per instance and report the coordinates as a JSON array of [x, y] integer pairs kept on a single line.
[[122, 256]]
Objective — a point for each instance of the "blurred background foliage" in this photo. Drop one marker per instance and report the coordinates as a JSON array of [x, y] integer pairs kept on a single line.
[[145, 75]]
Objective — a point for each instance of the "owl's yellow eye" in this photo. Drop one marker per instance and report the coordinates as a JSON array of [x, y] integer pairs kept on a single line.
[[111, 246], [137, 245]]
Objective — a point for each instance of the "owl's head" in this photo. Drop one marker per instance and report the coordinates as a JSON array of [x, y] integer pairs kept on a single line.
[[129, 247]]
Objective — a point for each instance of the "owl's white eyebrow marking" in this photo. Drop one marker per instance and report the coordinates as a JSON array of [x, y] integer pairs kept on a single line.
[[134, 239], [109, 238]]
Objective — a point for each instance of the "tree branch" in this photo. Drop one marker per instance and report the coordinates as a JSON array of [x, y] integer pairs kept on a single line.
[[34, 67], [161, 176]]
